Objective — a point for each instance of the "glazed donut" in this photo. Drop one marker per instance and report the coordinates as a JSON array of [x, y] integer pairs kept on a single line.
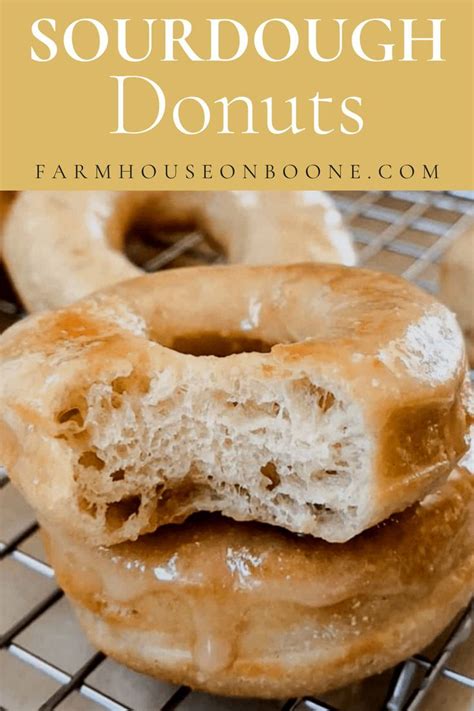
[[339, 397], [249, 610], [457, 285], [62, 246]]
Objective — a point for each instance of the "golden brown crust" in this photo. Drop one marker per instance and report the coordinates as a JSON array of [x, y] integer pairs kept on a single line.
[[372, 342], [243, 609], [62, 246]]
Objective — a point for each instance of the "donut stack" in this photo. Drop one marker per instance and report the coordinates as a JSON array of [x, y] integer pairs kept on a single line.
[[248, 477], [309, 399]]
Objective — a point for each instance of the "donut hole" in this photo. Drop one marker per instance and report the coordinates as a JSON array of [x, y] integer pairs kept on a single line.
[[118, 513], [160, 237], [217, 344]]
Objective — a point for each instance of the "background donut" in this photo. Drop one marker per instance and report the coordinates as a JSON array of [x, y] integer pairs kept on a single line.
[[61, 246]]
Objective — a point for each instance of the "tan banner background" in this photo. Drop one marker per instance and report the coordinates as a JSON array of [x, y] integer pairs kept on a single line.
[[418, 116]]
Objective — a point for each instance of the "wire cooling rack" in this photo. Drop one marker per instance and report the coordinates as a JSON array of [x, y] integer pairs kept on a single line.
[[46, 661]]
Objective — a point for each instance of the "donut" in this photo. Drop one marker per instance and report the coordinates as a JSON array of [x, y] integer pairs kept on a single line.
[[457, 285], [244, 609], [319, 398], [62, 246]]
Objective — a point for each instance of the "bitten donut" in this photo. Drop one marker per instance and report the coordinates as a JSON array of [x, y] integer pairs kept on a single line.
[[319, 398], [62, 246], [250, 610], [457, 285]]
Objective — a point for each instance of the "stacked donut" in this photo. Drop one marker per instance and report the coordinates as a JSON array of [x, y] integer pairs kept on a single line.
[[248, 477]]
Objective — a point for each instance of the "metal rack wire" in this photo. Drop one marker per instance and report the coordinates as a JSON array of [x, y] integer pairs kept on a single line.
[[46, 660]]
